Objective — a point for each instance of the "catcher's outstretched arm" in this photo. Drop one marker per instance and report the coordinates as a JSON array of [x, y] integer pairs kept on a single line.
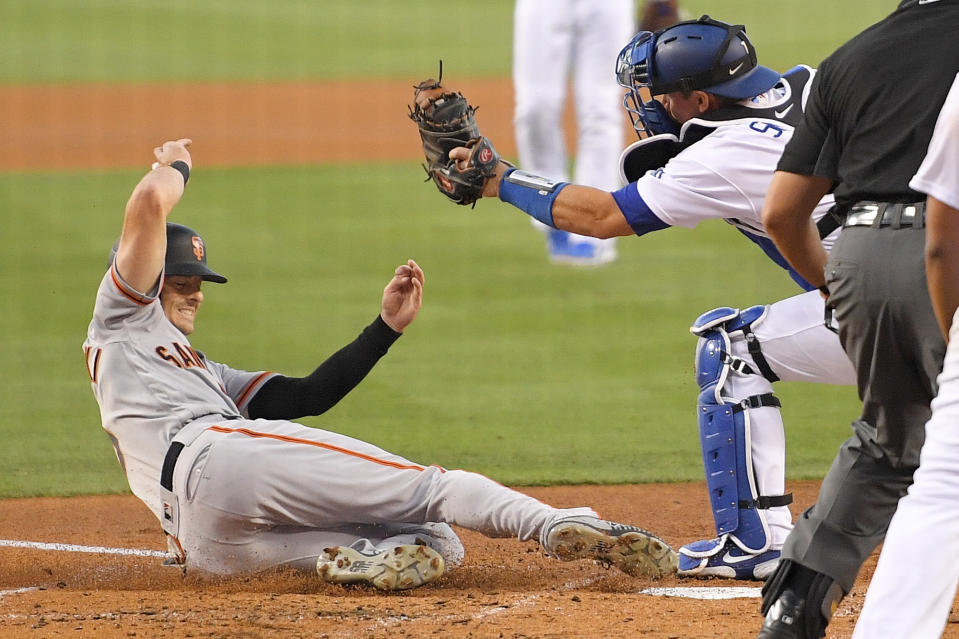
[[464, 166], [569, 207], [588, 211]]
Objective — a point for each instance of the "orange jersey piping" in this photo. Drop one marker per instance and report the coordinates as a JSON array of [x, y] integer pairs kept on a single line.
[[337, 449], [249, 387], [128, 292], [95, 370]]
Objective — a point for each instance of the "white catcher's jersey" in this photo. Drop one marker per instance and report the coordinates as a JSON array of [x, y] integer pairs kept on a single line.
[[150, 383], [725, 174]]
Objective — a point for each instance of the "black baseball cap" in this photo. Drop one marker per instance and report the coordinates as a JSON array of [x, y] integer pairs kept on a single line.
[[186, 254]]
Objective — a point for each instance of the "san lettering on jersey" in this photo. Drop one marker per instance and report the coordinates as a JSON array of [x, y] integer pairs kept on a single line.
[[180, 356]]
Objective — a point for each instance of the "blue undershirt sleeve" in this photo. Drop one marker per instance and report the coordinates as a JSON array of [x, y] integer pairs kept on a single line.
[[637, 213]]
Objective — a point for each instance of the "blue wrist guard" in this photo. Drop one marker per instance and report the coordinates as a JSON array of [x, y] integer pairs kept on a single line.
[[531, 193]]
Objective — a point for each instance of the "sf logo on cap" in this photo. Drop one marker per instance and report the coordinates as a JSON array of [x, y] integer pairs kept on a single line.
[[198, 248]]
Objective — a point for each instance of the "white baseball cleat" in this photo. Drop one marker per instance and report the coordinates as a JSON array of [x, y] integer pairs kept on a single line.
[[635, 551], [723, 557], [399, 568]]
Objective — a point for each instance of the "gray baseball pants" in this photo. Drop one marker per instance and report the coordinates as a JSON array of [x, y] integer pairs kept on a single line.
[[876, 277]]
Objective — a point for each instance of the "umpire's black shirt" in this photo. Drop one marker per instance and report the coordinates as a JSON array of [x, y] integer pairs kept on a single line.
[[870, 153]]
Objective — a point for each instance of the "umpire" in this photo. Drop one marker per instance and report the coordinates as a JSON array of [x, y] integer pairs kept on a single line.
[[868, 121]]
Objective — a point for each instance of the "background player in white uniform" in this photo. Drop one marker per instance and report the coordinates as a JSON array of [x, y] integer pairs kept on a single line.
[[912, 590], [717, 131], [658, 14], [553, 40], [236, 487]]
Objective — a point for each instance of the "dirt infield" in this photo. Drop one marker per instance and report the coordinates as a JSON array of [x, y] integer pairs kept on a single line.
[[66, 127], [505, 588]]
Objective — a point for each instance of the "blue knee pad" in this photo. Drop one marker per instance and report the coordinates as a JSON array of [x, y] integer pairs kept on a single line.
[[724, 427]]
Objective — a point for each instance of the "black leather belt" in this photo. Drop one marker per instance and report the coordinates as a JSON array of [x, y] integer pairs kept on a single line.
[[829, 222], [169, 463], [887, 215]]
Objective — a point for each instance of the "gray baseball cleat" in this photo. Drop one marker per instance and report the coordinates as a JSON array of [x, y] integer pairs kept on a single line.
[[635, 551], [398, 568]]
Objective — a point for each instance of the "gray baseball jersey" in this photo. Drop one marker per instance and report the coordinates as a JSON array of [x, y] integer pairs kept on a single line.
[[150, 382], [253, 494]]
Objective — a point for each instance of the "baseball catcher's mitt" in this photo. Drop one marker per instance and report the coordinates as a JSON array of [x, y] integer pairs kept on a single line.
[[445, 121]]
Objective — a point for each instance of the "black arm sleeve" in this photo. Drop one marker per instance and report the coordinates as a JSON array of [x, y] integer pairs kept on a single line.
[[294, 397]]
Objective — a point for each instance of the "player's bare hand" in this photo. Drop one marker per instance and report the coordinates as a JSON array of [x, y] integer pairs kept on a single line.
[[461, 155], [173, 150], [403, 296]]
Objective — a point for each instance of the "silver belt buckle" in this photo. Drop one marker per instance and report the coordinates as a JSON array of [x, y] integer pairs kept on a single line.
[[908, 215], [862, 215]]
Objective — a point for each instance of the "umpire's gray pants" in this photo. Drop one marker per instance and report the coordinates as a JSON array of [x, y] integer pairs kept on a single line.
[[877, 281]]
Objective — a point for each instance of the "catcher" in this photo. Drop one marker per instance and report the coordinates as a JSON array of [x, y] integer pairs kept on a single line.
[[708, 148]]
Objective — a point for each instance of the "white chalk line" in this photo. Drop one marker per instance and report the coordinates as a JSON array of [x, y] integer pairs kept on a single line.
[[688, 592], [101, 550], [706, 592], [17, 591]]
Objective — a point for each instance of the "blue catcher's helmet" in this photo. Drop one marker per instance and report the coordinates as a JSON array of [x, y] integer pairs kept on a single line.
[[695, 55]]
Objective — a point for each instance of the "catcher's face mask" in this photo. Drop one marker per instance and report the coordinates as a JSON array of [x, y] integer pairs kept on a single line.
[[695, 55], [648, 115]]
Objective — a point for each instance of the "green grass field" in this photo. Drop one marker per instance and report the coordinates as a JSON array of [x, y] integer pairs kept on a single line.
[[119, 41], [527, 372]]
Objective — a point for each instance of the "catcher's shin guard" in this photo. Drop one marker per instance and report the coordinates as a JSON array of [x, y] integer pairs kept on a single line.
[[798, 602], [724, 429]]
